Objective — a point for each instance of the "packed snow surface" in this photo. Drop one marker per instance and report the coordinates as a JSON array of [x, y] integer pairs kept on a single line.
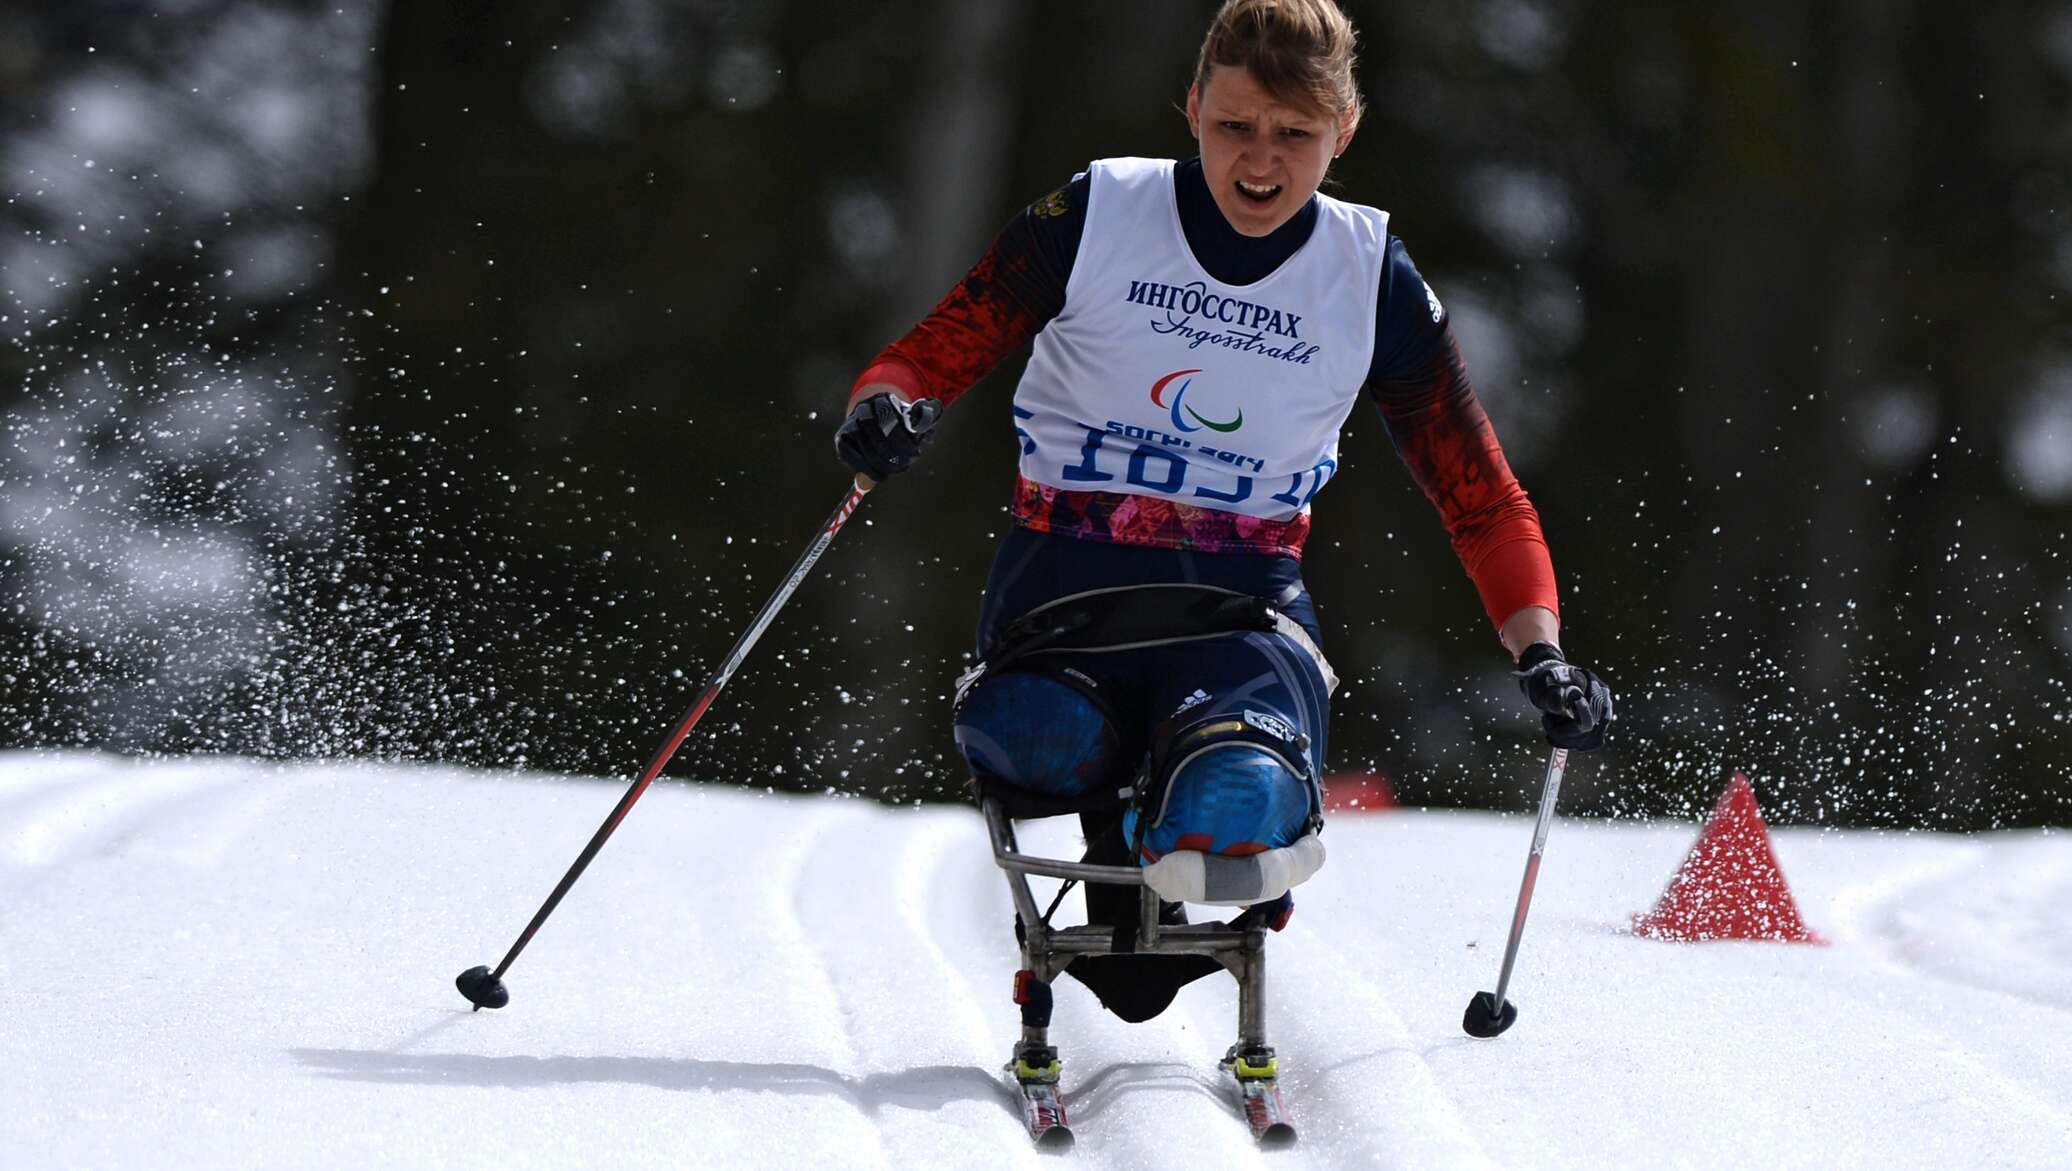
[[216, 963]]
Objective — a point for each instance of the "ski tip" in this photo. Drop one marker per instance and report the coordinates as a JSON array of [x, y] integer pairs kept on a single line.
[[1483, 1019], [1277, 1137], [1055, 1141]]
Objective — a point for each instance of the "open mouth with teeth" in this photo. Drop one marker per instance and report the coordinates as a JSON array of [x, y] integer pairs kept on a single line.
[[1258, 192]]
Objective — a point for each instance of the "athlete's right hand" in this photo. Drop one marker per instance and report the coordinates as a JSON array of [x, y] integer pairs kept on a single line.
[[884, 434]]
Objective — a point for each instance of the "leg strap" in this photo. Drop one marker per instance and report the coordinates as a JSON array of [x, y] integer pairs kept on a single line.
[[1123, 618]]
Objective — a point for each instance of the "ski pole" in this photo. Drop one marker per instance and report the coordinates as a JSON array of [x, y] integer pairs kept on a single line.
[[1488, 1012], [484, 988]]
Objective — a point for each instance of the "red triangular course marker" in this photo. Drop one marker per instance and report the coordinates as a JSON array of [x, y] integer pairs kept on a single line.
[[1730, 886], [1359, 793]]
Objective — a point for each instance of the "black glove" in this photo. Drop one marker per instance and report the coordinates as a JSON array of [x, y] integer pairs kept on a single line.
[[1577, 704], [883, 436]]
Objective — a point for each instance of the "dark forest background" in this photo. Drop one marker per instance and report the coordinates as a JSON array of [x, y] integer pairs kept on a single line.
[[452, 380]]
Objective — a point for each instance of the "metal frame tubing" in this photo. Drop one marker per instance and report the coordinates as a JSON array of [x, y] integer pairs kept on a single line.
[[1046, 950]]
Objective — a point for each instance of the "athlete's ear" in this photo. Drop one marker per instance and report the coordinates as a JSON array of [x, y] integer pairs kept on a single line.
[[1346, 125], [1194, 111]]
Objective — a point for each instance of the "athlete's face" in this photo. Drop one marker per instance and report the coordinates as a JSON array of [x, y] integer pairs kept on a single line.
[[1263, 160]]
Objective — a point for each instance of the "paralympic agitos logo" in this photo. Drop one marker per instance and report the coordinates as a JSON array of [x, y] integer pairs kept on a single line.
[[1159, 396]]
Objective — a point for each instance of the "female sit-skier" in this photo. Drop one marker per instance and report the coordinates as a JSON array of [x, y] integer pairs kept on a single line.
[[1201, 331]]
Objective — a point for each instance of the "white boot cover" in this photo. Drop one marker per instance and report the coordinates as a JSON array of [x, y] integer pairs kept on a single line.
[[1190, 876]]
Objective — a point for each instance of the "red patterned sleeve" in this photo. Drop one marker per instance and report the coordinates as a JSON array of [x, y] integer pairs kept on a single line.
[[1004, 301], [1444, 437]]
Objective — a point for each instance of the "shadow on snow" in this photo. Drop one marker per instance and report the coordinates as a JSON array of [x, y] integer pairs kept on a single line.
[[924, 1087]]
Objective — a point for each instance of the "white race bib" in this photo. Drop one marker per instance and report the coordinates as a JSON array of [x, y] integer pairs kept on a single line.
[[1159, 380]]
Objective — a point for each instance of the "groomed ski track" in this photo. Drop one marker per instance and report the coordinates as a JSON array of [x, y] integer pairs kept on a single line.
[[216, 963]]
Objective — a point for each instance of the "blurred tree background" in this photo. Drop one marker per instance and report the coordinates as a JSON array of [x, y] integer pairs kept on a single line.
[[454, 380]]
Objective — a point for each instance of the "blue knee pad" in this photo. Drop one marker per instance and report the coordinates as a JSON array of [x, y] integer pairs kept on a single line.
[[1041, 733], [1232, 797]]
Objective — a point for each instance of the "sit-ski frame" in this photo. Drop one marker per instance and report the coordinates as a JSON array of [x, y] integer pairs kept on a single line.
[[1048, 950]]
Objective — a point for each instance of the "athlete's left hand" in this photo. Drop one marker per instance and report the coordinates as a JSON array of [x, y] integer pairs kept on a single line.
[[1576, 705]]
